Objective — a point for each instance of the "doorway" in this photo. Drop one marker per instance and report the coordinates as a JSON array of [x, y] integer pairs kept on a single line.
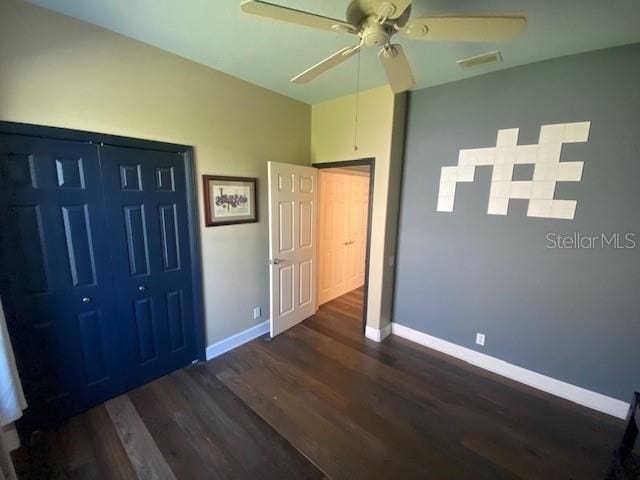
[[293, 192], [345, 193]]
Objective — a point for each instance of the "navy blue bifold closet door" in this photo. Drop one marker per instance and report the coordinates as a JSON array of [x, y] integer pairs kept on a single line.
[[146, 204], [95, 269], [57, 274]]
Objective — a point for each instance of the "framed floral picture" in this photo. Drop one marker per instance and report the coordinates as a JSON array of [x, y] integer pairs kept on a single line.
[[229, 200]]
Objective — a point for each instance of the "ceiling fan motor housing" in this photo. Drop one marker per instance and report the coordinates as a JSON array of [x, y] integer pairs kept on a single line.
[[359, 11], [375, 34]]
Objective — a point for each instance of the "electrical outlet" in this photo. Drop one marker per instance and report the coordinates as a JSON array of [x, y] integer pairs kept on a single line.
[[257, 312], [480, 339]]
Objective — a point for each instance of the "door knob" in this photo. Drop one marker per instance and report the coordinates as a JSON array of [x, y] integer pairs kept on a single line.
[[275, 261], [142, 288], [86, 299]]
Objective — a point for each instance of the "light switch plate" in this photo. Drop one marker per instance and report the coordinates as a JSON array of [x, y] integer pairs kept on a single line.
[[257, 312]]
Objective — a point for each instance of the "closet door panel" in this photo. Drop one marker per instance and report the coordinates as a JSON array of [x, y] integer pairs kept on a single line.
[[57, 271], [148, 218]]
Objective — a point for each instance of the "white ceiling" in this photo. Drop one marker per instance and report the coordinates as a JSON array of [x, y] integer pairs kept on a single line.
[[215, 33]]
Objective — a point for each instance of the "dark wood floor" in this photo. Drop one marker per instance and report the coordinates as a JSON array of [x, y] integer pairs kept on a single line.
[[321, 400]]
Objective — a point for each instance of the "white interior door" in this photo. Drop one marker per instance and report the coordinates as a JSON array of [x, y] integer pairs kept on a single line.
[[333, 228], [358, 219], [343, 208], [292, 244]]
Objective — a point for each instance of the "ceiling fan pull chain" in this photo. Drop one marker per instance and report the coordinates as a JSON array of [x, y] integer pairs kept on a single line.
[[355, 126]]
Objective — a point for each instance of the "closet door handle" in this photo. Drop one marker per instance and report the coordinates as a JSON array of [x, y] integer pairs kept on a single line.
[[142, 288], [86, 299]]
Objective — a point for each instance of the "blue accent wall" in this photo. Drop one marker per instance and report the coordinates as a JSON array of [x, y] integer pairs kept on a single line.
[[572, 314]]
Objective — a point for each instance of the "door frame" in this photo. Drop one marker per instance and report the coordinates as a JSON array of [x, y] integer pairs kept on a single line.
[[371, 163], [187, 152]]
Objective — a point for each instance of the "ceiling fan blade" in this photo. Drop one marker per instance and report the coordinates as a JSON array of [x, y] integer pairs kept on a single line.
[[326, 64], [465, 29], [397, 66], [276, 12]]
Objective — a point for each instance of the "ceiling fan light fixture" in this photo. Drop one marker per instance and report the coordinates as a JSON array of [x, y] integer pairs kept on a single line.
[[482, 59]]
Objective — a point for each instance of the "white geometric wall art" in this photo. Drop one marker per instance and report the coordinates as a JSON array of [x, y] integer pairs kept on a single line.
[[547, 171]]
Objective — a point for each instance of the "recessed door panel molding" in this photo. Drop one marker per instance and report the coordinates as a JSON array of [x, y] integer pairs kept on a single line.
[[286, 183], [286, 224], [326, 271], [70, 173], [306, 283], [93, 347], [169, 236], [31, 245], [21, 171], [343, 214], [145, 329], [292, 244], [287, 294], [77, 232], [176, 320], [339, 279], [165, 181], [50, 367], [306, 224], [325, 219], [306, 184], [137, 242], [131, 178]]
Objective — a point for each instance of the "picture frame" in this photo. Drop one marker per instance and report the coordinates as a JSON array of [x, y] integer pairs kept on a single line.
[[230, 200]]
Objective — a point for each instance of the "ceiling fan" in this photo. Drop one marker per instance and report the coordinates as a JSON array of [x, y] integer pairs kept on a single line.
[[377, 21]]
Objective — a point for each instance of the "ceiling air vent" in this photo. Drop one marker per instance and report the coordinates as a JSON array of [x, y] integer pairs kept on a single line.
[[482, 59]]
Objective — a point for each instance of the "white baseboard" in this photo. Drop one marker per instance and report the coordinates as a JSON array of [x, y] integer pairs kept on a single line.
[[236, 340], [579, 395], [377, 335]]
